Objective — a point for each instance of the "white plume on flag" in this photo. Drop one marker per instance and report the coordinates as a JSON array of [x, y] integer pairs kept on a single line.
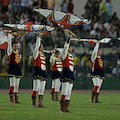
[[104, 40]]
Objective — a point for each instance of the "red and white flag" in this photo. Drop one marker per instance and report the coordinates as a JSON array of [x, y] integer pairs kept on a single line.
[[3, 40]]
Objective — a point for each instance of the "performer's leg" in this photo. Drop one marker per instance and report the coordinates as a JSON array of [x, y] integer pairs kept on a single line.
[[34, 92], [16, 89], [98, 90], [67, 98], [41, 92], [94, 90], [63, 95], [11, 89], [57, 88], [53, 89]]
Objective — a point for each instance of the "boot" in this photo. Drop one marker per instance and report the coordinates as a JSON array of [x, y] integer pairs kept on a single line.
[[33, 101], [67, 103], [16, 98], [11, 97], [62, 102], [96, 98], [52, 94], [92, 97], [56, 96], [40, 99]]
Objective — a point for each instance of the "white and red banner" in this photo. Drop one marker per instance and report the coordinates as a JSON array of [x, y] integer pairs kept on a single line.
[[3, 40]]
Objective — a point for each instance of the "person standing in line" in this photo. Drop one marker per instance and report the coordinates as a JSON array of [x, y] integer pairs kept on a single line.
[[14, 69], [56, 63], [67, 77], [97, 73], [39, 74]]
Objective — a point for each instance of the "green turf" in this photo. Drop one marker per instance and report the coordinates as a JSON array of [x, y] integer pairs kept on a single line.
[[80, 107]]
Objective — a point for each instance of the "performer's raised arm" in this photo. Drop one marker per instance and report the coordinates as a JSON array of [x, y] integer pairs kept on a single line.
[[65, 49], [94, 53], [37, 45], [9, 48]]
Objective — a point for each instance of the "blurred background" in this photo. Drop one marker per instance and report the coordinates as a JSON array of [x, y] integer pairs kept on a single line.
[[105, 17]]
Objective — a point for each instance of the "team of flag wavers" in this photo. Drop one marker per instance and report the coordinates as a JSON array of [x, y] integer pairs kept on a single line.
[[61, 60]]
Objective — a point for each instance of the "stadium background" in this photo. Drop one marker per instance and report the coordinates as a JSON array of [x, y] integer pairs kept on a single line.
[[82, 51]]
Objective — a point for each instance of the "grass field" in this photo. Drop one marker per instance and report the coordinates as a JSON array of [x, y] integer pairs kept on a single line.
[[80, 107]]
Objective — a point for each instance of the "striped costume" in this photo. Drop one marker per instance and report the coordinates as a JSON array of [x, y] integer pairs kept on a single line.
[[56, 64], [97, 73], [39, 74], [39, 67], [67, 77], [97, 68], [14, 70], [68, 66]]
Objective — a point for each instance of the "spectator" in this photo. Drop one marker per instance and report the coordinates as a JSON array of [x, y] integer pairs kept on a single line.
[[114, 16], [50, 4], [31, 46], [103, 12], [19, 41], [64, 6], [9, 15], [112, 34], [88, 8], [98, 33], [1, 2], [38, 21], [40, 4], [93, 33], [5, 6], [95, 7], [85, 64], [13, 20], [25, 16], [70, 6], [16, 5], [24, 5], [98, 25], [76, 61], [107, 25], [18, 16], [30, 63], [109, 8], [105, 33]]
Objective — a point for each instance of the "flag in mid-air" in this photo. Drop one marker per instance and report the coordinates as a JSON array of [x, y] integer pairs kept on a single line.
[[31, 28], [64, 20]]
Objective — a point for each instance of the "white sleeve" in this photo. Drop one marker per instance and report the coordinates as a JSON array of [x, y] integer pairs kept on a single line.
[[36, 50], [94, 53], [65, 50], [52, 58], [9, 48]]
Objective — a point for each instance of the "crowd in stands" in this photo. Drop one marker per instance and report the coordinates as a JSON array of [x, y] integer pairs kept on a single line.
[[104, 23]]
